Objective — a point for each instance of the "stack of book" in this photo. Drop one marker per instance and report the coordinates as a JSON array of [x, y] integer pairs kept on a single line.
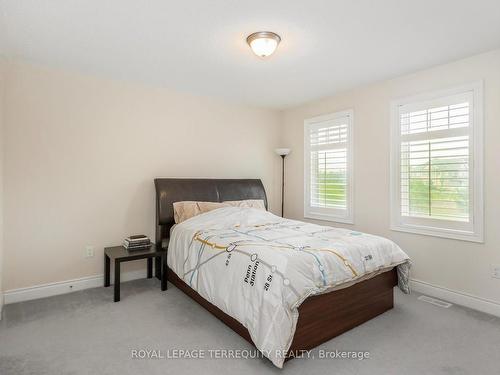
[[137, 242]]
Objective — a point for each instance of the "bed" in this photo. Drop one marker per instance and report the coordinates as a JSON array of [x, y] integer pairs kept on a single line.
[[319, 309]]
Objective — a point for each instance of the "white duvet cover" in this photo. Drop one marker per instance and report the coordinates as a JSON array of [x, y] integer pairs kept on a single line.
[[258, 267]]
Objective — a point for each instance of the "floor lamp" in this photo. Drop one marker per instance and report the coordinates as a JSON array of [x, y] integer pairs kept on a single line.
[[283, 152]]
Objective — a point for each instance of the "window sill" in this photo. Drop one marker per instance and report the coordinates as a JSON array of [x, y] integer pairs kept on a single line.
[[439, 232], [331, 218]]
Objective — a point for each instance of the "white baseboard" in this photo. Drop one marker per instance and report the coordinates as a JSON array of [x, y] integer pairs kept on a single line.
[[62, 287], [458, 298]]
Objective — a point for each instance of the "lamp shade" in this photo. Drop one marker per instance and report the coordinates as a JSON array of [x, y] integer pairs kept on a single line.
[[282, 151]]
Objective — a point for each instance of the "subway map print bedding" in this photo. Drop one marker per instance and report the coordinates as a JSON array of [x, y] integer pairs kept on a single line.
[[258, 267]]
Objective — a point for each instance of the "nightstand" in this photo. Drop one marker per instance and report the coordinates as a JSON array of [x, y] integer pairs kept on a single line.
[[119, 254]]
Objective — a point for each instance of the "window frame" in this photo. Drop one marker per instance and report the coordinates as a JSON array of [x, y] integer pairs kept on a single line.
[[330, 214], [436, 227]]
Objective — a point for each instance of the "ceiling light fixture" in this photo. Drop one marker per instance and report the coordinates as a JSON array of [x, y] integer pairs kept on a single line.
[[263, 43]]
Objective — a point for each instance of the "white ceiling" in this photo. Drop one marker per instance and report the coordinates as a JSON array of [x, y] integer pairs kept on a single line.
[[198, 46]]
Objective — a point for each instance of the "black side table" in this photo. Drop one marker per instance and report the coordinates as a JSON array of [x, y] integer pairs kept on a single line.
[[119, 254]]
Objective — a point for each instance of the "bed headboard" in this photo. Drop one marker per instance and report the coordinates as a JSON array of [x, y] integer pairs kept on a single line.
[[170, 190]]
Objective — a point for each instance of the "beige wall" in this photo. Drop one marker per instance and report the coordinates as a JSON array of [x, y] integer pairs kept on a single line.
[[81, 154], [457, 265]]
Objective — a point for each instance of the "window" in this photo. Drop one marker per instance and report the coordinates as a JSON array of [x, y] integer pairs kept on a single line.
[[436, 164], [328, 167]]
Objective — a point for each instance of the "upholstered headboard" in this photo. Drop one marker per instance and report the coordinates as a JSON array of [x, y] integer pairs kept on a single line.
[[170, 190]]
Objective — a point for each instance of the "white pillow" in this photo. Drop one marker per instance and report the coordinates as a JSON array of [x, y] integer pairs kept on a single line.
[[248, 203], [187, 209]]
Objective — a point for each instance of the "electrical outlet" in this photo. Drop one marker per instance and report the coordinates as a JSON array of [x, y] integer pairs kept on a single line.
[[495, 271], [89, 251]]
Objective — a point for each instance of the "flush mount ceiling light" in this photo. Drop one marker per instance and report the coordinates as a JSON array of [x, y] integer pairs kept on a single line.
[[263, 43]]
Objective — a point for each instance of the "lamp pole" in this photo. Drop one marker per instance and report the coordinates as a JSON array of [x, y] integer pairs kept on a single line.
[[283, 152], [282, 185]]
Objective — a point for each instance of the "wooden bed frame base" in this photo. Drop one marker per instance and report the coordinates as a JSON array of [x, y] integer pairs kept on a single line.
[[321, 317]]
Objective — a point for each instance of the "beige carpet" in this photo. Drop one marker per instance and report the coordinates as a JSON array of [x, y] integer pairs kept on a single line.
[[86, 333]]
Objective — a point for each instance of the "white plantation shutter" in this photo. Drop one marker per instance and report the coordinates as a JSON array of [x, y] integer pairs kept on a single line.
[[436, 177], [328, 167]]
